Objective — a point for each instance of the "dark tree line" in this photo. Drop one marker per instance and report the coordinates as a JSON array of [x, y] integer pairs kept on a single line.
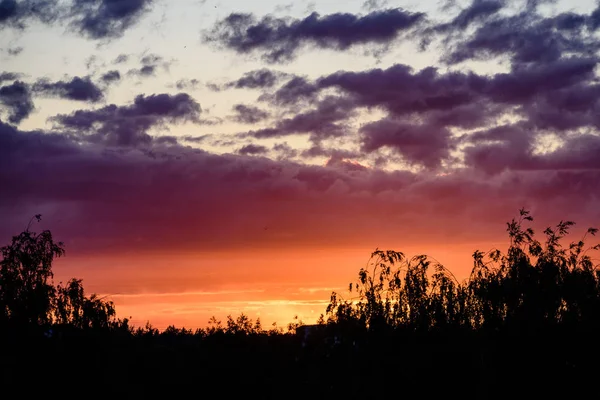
[[525, 323]]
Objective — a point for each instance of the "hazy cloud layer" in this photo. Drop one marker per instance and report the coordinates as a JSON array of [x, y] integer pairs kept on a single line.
[[176, 198]]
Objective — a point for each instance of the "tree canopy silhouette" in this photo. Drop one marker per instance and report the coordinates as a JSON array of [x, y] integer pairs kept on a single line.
[[534, 286], [28, 296]]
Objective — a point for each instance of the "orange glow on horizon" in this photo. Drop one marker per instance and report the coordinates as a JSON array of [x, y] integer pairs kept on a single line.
[[186, 290]]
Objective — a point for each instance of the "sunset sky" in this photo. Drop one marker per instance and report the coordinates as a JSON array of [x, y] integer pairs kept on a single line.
[[203, 158]]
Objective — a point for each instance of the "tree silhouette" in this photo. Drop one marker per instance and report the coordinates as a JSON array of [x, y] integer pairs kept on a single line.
[[26, 291], [75, 309], [28, 297], [534, 286]]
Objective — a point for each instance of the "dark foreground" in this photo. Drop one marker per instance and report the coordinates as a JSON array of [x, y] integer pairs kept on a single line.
[[221, 365]]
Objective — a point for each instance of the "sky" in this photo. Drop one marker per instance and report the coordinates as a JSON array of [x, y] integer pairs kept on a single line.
[[203, 158]]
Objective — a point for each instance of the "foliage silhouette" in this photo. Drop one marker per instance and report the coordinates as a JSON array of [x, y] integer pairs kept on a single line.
[[26, 291], [533, 287], [28, 297]]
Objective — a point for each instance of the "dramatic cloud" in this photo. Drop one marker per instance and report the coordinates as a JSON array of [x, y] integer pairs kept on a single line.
[[418, 144], [526, 37], [78, 89], [463, 117], [280, 39], [16, 100], [174, 198], [426, 106], [248, 114], [106, 19], [129, 125]]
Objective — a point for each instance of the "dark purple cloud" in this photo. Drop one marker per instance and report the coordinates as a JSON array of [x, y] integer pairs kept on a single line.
[[111, 76], [560, 94], [258, 79], [280, 39], [121, 58], [477, 12], [594, 19], [526, 37], [284, 151], [170, 198], [426, 145], [527, 81], [296, 89], [252, 150], [573, 107], [17, 14], [248, 114], [78, 89], [187, 84], [493, 150], [95, 19], [9, 76], [326, 120], [107, 19], [402, 91], [16, 100], [511, 148], [150, 64], [129, 125]]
